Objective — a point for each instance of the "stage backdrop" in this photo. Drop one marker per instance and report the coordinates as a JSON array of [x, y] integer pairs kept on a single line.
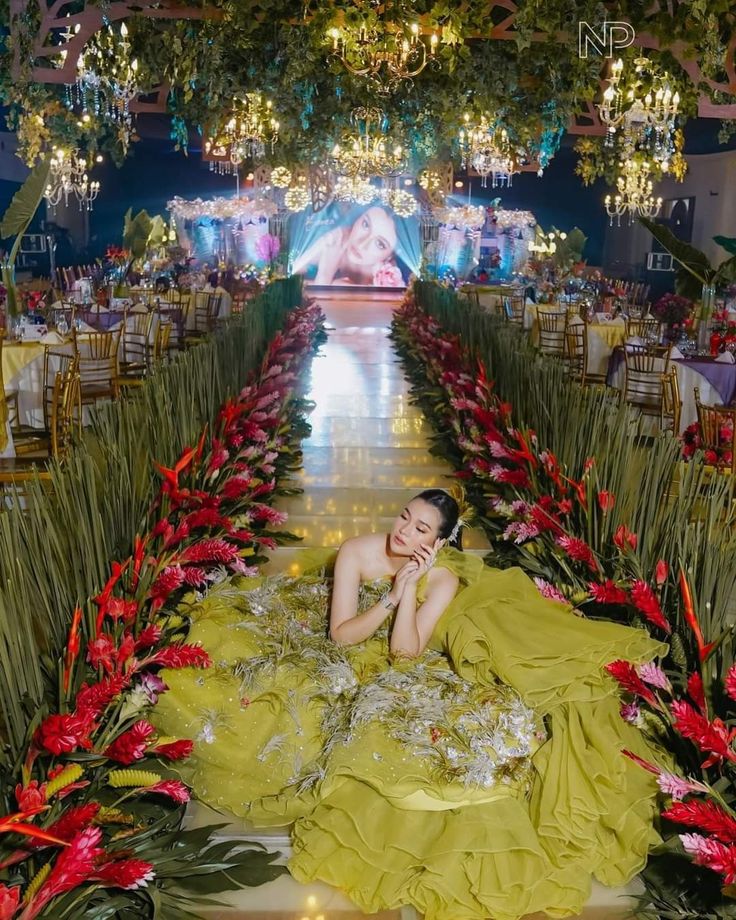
[[355, 244]]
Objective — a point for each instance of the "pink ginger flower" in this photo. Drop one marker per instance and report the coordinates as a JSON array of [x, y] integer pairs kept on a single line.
[[549, 591], [653, 675]]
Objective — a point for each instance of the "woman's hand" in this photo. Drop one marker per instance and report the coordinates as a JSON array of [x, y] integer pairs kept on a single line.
[[401, 579], [425, 558]]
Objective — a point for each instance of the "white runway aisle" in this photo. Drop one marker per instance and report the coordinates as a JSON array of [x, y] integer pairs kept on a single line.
[[367, 455]]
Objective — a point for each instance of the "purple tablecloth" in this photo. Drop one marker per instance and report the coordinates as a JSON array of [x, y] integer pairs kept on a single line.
[[721, 376]]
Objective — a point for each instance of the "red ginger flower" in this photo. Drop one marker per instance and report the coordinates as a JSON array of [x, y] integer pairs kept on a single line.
[[131, 745], [661, 572], [30, 796], [578, 550], [194, 576], [696, 692], [181, 656], [608, 593], [118, 608], [124, 873], [168, 581], [626, 675], [148, 636], [74, 866], [175, 750], [9, 899], [236, 487], [212, 550], [606, 501], [705, 816], [646, 602], [93, 700], [708, 852], [204, 517], [171, 788], [74, 820], [101, 652], [712, 737], [730, 684], [60, 734]]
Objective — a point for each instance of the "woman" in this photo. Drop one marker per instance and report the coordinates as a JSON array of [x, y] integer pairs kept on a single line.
[[360, 254], [434, 731]]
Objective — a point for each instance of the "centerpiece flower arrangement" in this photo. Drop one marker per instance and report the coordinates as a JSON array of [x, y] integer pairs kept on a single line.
[[673, 309], [722, 332], [692, 441]]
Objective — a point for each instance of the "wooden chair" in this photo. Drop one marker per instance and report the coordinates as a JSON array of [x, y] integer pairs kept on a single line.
[[646, 328], [514, 309], [98, 363], [10, 394], [136, 348], [29, 438], [65, 426], [715, 421], [206, 311], [671, 402], [174, 311], [552, 328], [576, 353], [162, 339], [645, 367]]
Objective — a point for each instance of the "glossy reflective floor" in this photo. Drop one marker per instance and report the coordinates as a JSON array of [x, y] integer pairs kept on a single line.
[[368, 453]]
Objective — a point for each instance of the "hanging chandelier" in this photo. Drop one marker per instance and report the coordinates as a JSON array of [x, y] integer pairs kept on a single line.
[[355, 189], [634, 193], [368, 151], [68, 178], [250, 129], [487, 149], [389, 54], [641, 113]]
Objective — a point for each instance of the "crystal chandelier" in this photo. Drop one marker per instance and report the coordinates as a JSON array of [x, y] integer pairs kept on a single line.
[[68, 177], [355, 189], [368, 151], [634, 193], [388, 54], [107, 78], [245, 136], [642, 113], [487, 149]]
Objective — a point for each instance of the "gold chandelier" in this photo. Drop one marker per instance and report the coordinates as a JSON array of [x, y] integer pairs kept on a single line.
[[634, 193], [388, 54], [487, 149], [368, 151], [245, 136]]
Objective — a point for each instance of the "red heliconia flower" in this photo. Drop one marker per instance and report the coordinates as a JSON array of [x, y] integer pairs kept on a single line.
[[175, 750], [661, 572], [607, 593], [131, 745], [101, 652], [696, 692], [212, 550], [72, 646], [74, 866], [646, 602], [74, 820], [124, 873], [139, 553], [730, 682], [712, 737], [544, 520], [30, 796], [60, 734], [606, 501], [177, 535], [624, 538], [93, 700], [625, 673], [148, 636], [578, 550], [172, 788], [9, 900], [181, 656], [705, 816], [168, 581], [124, 651]]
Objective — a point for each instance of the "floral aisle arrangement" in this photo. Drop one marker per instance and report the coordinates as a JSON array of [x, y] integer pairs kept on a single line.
[[692, 442], [575, 537], [94, 807]]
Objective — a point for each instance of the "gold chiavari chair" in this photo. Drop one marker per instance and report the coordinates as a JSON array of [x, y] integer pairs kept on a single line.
[[10, 394], [671, 402], [136, 348], [206, 311], [715, 422], [514, 309], [162, 339], [552, 328], [65, 425], [645, 367], [98, 363], [646, 328], [27, 438]]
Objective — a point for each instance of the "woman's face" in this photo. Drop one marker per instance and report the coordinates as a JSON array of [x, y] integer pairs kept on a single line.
[[417, 525], [371, 241]]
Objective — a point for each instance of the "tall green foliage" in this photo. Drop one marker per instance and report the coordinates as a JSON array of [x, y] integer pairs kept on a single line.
[[56, 552]]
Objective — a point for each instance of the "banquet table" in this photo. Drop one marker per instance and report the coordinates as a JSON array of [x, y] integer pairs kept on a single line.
[[716, 380], [602, 336]]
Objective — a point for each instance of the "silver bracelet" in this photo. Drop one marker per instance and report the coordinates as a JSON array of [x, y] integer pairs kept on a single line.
[[386, 602]]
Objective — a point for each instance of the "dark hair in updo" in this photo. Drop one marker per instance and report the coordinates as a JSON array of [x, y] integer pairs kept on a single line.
[[449, 511]]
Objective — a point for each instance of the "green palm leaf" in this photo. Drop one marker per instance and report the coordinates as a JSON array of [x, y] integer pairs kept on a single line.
[[25, 201]]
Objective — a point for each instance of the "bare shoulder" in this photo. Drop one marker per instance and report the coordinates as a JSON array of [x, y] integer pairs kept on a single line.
[[365, 553], [440, 577]]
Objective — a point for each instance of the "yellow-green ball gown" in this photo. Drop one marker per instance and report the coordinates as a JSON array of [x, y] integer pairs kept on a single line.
[[483, 779]]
